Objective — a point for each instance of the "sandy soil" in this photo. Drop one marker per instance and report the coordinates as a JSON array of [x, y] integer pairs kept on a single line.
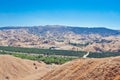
[[87, 69], [12, 68]]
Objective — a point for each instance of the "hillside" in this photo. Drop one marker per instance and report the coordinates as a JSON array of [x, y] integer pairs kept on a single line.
[[12, 68], [87, 69], [62, 38]]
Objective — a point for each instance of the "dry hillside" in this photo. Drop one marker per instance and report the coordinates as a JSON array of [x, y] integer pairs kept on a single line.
[[87, 69], [61, 38], [12, 68]]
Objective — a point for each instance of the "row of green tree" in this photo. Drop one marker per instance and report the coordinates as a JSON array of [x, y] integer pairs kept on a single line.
[[48, 52], [43, 51], [103, 54]]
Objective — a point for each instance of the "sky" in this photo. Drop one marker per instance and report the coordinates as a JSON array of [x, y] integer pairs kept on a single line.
[[82, 13]]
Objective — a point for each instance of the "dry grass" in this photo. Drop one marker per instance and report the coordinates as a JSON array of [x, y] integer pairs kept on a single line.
[[87, 69], [12, 68]]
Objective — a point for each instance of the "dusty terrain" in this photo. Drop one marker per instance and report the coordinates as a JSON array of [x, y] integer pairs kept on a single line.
[[65, 41], [87, 69], [12, 68]]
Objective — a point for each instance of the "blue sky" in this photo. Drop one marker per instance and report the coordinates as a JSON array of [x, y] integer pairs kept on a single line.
[[83, 13]]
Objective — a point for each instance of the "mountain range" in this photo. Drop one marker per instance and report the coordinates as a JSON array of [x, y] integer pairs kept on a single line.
[[62, 37], [62, 29]]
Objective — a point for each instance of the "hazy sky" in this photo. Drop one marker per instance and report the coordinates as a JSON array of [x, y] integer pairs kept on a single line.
[[83, 13]]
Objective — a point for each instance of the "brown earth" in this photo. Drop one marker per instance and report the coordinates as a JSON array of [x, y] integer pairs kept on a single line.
[[117, 78], [12, 68], [87, 69], [95, 42]]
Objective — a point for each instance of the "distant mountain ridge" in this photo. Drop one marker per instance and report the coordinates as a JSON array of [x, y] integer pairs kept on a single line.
[[57, 29]]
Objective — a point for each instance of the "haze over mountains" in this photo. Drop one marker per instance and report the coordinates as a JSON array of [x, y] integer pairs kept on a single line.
[[62, 29], [62, 37]]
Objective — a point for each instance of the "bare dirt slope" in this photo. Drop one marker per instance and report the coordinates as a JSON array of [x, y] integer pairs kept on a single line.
[[87, 69], [12, 68]]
